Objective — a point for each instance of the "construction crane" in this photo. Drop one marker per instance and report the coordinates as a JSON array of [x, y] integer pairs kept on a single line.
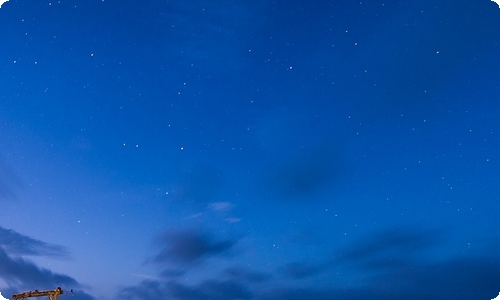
[[51, 294]]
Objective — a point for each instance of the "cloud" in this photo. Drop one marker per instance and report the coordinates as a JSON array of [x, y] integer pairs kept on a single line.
[[395, 242], [184, 247], [396, 263], [462, 278], [22, 275], [220, 206], [18, 244], [232, 220], [293, 293], [18, 270], [81, 295], [147, 289], [458, 278], [399, 263], [2, 2], [208, 290], [306, 173], [211, 290], [222, 209], [172, 273]]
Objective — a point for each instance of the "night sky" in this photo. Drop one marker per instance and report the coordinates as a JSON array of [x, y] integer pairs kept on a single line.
[[217, 149]]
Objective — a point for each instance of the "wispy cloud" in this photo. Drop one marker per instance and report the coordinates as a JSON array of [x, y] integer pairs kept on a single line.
[[232, 220], [17, 244], [220, 206]]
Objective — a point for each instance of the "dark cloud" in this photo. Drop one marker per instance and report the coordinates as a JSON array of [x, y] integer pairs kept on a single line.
[[306, 173], [399, 265], [208, 290], [21, 273], [458, 278], [148, 289], [172, 273], [15, 243], [293, 293], [392, 242], [188, 246], [461, 278], [392, 264], [9, 182], [211, 290]]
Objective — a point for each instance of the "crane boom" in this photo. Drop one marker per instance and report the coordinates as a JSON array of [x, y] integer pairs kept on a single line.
[[51, 294]]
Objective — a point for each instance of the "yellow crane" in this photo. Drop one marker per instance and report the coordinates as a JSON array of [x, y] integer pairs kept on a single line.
[[51, 294]]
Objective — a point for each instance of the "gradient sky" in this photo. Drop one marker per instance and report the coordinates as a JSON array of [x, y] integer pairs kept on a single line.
[[250, 149]]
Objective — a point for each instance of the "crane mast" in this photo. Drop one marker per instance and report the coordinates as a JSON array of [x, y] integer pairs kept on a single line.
[[51, 294]]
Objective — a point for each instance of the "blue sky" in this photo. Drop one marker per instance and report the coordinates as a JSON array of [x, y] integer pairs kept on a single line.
[[250, 149]]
